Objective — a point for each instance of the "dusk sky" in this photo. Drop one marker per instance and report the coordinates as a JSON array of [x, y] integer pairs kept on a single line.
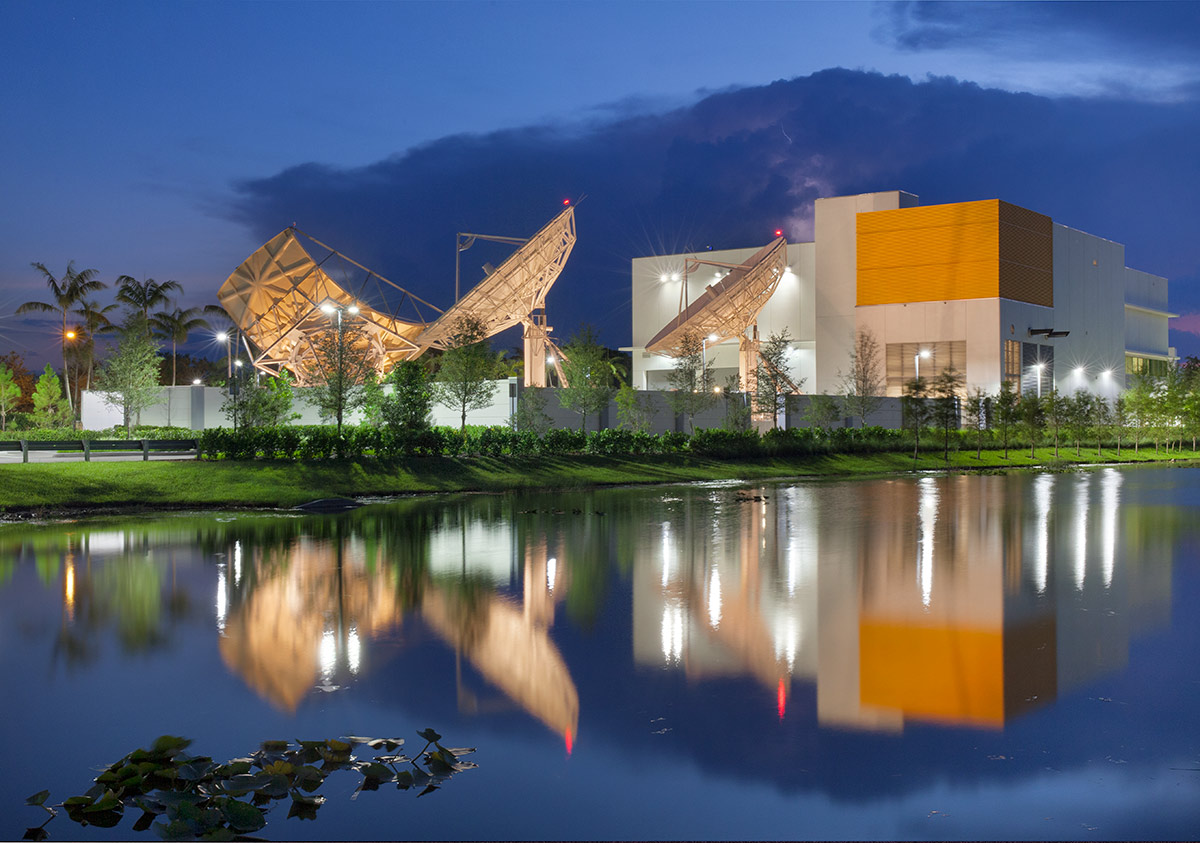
[[169, 140]]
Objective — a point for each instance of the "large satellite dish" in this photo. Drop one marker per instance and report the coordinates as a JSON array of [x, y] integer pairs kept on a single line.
[[277, 295]]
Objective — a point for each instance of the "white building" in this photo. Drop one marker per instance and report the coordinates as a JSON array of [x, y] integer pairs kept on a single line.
[[991, 289]]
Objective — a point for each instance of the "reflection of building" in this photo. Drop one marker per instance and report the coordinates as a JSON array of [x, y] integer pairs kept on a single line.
[[993, 290], [949, 599]]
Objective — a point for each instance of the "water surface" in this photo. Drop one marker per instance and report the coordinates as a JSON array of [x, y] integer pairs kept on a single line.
[[926, 657]]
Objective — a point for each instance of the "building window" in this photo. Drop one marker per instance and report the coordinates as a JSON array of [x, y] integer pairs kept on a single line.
[[1012, 363], [1138, 365], [935, 358], [1037, 362]]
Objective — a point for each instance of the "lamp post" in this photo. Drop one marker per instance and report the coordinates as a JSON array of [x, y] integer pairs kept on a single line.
[[223, 338], [917, 360], [68, 336]]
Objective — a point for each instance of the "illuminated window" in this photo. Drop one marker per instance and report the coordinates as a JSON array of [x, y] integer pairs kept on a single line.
[[1138, 365], [1012, 362], [936, 357]]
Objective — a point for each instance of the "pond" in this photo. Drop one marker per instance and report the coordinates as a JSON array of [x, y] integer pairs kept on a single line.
[[922, 657]]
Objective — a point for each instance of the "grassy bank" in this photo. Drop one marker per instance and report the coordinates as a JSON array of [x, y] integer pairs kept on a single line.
[[32, 487]]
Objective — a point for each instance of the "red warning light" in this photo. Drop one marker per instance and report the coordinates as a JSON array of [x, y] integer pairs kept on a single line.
[[779, 232], [566, 201]]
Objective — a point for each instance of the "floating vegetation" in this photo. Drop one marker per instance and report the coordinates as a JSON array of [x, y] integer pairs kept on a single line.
[[191, 797]]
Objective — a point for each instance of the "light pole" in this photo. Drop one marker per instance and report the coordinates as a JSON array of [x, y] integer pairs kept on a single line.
[[917, 360], [223, 338]]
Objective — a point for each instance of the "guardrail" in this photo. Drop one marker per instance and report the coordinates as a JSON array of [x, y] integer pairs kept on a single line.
[[103, 447]]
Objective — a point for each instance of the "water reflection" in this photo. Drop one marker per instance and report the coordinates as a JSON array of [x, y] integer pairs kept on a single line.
[[949, 599]]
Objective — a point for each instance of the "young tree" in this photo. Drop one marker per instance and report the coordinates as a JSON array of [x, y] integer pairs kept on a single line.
[[823, 411], [129, 378], [411, 400], [1139, 406], [1033, 418], [464, 378], [1056, 411], [342, 367], [915, 410], [634, 408], [22, 377], [774, 385], [1120, 420], [864, 384], [737, 404], [592, 377], [1101, 419], [269, 405], [1078, 414], [66, 292], [945, 414], [691, 380], [976, 417], [1006, 410], [10, 395], [531, 412], [50, 408]]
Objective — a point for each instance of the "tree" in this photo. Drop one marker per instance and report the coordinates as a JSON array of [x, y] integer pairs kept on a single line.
[[591, 376], [915, 410], [50, 408], [1056, 410], [66, 292], [10, 394], [143, 296], [1120, 420], [95, 321], [1139, 410], [976, 417], [1033, 418], [1078, 415], [634, 409], [464, 379], [864, 384], [411, 399], [531, 412], [23, 378], [341, 368], [945, 414], [823, 411], [690, 379], [1007, 416], [737, 404], [773, 383], [129, 378], [269, 405], [174, 327], [1100, 421]]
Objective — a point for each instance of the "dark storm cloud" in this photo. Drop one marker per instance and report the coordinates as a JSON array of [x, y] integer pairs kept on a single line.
[[1158, 27], [734, 166]]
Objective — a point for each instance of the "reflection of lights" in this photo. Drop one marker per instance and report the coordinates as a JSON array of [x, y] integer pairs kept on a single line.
[[928, 519], [1081, 517], [69, 588], [1042, 488], [714, 599], [237, 562], [222, 599], [1110, 495], [570, 740], [353, 650], [787, 634], [327, 655], [666, 553], [672, 633], [781, 698], [551, 572]]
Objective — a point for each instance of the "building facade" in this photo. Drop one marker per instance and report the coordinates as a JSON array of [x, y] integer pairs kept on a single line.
[[995, 291]]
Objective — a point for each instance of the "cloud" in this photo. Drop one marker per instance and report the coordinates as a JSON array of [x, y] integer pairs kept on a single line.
[[729, 169]]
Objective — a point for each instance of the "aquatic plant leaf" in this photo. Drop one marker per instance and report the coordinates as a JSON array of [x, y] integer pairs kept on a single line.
[[387, 743], [274, 746], [377, 771], [242, 817], [430, 735], [233, 768], [340, 746], [404, 780], [78, 801], [108, 802], [104, 819], [220, 833], [36, 833], [429, 788], [38, 798], [305, 807], [169, 745], [144, 821]]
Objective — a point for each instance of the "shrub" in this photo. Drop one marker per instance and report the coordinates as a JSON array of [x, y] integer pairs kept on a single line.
[[725, 444], [562, 440]]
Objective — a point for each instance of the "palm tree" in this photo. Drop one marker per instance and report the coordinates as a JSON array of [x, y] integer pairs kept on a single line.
[[95, 321], [176, 325], [66, 292], [144, 296]]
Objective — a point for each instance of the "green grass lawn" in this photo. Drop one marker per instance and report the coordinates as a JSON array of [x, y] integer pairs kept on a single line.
[[189, 483]]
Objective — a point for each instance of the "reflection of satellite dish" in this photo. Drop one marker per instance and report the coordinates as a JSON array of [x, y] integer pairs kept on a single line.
[[730, 306], [275, 298]]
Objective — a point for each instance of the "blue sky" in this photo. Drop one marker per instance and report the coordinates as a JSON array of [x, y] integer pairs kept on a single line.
[[170, 140]]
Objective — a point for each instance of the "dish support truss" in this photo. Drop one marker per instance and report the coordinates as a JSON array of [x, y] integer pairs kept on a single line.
[[729, 309], [514, 293]]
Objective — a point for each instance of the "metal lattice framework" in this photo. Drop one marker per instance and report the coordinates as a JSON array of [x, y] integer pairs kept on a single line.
[[729, 307], [275, 297]]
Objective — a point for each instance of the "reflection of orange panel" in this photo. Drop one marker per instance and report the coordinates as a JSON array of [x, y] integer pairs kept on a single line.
[[966, 250], [939, 673]]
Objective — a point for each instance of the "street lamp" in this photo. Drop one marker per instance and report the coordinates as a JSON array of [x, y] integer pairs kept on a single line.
[[917, 360], [704, 349], [223, 338], [1039, 366]]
